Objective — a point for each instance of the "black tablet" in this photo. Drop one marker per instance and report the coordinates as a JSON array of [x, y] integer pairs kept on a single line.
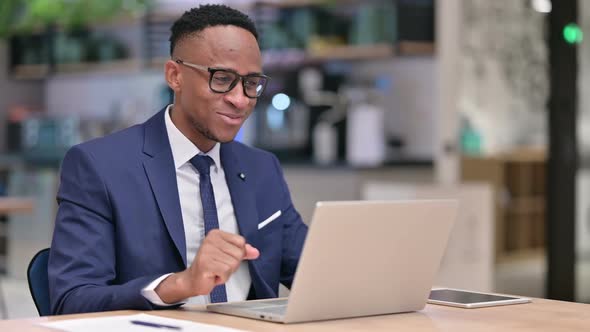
[[469, 299]]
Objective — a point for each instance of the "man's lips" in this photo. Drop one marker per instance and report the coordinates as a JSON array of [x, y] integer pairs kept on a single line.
[[232, 119]]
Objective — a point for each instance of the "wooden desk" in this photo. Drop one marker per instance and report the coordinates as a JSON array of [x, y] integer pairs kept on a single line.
[[541, 315]]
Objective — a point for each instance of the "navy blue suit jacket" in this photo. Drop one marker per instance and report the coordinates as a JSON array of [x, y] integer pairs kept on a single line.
[[119, 224]]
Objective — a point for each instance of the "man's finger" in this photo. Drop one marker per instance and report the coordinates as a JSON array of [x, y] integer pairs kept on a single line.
[[231, 249], [235, 239], [220, 269], [251, 252]]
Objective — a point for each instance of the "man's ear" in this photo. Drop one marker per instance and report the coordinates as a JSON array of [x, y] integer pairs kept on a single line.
[[173, 75]]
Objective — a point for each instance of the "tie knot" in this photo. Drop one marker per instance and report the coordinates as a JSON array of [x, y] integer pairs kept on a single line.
[[202, 163]]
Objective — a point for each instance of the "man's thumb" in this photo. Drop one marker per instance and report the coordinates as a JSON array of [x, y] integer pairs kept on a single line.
[[251, 252]]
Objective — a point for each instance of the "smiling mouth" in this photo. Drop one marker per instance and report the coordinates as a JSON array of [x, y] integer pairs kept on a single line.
[[231, 116], [232, 119]]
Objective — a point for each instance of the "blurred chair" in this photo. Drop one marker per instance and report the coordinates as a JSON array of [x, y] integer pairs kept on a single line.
[[39, 283]]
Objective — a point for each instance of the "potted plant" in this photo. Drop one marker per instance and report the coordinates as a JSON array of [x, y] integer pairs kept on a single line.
[[26, 16], [43, 33]]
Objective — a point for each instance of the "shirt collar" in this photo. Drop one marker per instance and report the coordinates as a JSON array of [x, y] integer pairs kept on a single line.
[[182, 148]]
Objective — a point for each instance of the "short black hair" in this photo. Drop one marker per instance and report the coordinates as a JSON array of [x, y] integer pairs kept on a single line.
[[196, 20]]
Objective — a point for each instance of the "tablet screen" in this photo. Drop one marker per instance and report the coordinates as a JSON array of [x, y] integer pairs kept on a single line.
[[457, 296]]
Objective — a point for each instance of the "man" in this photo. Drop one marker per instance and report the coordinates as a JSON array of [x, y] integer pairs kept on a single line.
[[174, 210]]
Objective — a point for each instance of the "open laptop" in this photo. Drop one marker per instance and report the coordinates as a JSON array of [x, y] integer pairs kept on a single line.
[[361, 258]]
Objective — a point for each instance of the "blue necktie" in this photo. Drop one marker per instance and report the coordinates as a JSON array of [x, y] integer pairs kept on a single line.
[[203, 163]]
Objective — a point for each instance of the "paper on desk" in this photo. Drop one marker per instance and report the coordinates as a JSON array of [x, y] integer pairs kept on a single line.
[[123, 323]]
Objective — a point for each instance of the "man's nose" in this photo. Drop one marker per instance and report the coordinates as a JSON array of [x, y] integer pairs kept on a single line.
[[237, 97]]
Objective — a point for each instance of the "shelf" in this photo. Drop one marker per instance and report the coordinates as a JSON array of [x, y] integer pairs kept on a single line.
[[289, 3], [293, 57], [16, 205], [521, 255], [296, 57], [158, 63], [290, 58], [117, 66], [415, 48], [170, 11], [30, 72], [271, 59], [517, 155], [367, 52], [123, 20], [303, 3], [526, 205], [526, 155]]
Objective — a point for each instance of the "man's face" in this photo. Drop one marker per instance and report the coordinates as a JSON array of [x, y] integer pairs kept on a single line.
[[202, 115]]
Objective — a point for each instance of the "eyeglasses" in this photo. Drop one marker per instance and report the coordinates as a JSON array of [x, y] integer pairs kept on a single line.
[[224, 80]]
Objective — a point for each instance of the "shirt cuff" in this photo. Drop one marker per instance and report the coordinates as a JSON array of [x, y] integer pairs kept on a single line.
[[149, 292]]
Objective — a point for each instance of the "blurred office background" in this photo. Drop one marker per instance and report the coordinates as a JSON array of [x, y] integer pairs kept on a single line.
[[484, 101]]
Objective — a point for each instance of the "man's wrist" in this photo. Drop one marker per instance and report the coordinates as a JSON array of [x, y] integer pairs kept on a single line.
[[149, 292], [175, 288]]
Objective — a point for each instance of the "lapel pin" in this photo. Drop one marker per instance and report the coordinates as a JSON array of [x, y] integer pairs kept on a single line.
[[242, 176]]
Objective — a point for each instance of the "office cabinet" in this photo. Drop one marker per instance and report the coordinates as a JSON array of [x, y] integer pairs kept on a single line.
[[518, 180]]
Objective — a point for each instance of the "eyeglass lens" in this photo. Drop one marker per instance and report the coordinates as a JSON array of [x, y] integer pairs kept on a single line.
[[223, 81]]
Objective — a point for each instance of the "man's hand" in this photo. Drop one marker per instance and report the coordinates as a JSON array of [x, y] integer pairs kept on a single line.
[[218, 257]]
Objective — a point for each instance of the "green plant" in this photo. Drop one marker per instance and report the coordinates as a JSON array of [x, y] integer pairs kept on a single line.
[[22, 16]]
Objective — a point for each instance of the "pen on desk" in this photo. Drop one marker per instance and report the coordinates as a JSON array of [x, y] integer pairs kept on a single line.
[[156, 325]]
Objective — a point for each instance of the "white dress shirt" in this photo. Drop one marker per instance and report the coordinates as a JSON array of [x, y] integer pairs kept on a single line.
[[187, 179]]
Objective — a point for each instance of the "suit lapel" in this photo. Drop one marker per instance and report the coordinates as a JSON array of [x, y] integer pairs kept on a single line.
[[241, 191], [159, 168]]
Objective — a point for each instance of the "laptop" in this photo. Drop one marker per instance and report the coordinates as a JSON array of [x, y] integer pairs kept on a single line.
[[361, 258]]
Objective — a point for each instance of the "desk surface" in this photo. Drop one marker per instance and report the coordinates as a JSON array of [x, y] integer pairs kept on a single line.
[[541, 315]]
